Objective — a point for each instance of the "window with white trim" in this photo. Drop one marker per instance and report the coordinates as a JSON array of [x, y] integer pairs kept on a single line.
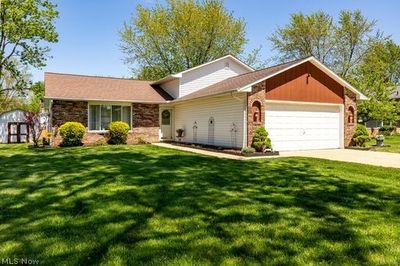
[[100, 116]]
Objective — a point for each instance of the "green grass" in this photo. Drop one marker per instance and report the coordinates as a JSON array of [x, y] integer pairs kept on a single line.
[[393, 143], [116, 205]]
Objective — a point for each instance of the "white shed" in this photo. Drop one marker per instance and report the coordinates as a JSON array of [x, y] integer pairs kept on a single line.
[[13, 128]]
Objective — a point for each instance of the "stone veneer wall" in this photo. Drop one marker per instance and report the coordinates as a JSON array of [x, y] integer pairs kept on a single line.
[[65, 111], [257, 94], [145, 121], [350, 99]]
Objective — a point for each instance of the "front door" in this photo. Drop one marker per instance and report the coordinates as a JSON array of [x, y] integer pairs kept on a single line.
[[166, 128], [18, 132]]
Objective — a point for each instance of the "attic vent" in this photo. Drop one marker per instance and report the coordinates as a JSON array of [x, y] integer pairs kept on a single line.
[[226, 65]]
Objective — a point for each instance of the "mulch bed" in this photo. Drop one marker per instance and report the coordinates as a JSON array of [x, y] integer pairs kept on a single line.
[[359, 148], [223, 149], [367, 148]]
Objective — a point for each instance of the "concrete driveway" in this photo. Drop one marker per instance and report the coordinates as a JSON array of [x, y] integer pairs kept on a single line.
[[385, 159]]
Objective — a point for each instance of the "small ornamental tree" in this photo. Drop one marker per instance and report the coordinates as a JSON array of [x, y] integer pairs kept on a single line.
[[72, 134], [32, 119], [261, 140], [361, 136], [118, 132]]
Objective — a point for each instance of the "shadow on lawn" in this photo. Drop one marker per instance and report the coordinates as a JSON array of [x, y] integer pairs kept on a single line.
[[150, 205]]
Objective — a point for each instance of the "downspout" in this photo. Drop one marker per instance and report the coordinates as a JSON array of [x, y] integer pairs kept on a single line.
[[50, 124]]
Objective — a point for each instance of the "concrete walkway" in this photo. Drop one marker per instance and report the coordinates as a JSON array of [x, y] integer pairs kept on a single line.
[[385, 159], [199, 151]]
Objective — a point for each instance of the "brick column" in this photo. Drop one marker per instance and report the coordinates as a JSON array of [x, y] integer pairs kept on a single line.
[[257, 94], [350, 100], [145, 122]]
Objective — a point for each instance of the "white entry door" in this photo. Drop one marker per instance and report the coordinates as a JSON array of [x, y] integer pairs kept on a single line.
[[294, 127], [166, 121]]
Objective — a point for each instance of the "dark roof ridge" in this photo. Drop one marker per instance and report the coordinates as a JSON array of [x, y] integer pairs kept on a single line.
[[94, 76]]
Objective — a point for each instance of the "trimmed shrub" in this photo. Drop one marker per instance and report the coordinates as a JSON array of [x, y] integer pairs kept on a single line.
[[118, 132], [141, 139], [361, 136], [72, 134], [261, 140], [248, 150], [387, 130]]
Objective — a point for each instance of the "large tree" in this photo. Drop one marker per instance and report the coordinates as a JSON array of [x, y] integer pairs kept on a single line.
[[25, 26], [170, 38], [13, 98], [340, 45], [377, 76]]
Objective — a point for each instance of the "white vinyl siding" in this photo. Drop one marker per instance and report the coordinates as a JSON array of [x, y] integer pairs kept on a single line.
[[205, 76], [172, 88], [226, 111], [10, 116], [303, 127]]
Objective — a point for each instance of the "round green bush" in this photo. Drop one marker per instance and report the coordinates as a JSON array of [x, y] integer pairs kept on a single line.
[[387, 130], [361, 136], [72, 134], [261, 140], [118, 132]]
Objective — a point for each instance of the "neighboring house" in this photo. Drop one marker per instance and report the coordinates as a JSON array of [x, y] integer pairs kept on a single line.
[[13, 128], [302, 104]]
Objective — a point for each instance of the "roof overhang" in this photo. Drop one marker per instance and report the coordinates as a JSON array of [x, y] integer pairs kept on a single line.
[[167, 78], [318, 64], [101, 100]]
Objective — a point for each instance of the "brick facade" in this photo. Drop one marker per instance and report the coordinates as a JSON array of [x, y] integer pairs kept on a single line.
[[257, 94], [145, 121], [350, 109], [66, 111], [145, 115]]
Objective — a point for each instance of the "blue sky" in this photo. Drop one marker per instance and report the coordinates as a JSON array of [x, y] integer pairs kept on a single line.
[[88, 30]]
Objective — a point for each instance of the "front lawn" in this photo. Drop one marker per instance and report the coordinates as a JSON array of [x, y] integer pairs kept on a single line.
[[116, 205], [392, 142]]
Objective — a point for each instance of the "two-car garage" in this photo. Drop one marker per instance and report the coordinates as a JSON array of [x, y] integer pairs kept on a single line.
[[297, 126]]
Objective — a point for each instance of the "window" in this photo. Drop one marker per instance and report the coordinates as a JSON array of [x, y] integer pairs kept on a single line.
[[350, 115], [166, 118], [100, 116], [256, 111]]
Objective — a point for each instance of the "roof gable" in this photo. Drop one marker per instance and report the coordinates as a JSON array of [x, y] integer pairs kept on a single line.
[[244, 82], [180, 74]]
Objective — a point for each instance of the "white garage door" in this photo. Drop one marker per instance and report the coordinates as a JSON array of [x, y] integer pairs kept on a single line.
[[294, 127]]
